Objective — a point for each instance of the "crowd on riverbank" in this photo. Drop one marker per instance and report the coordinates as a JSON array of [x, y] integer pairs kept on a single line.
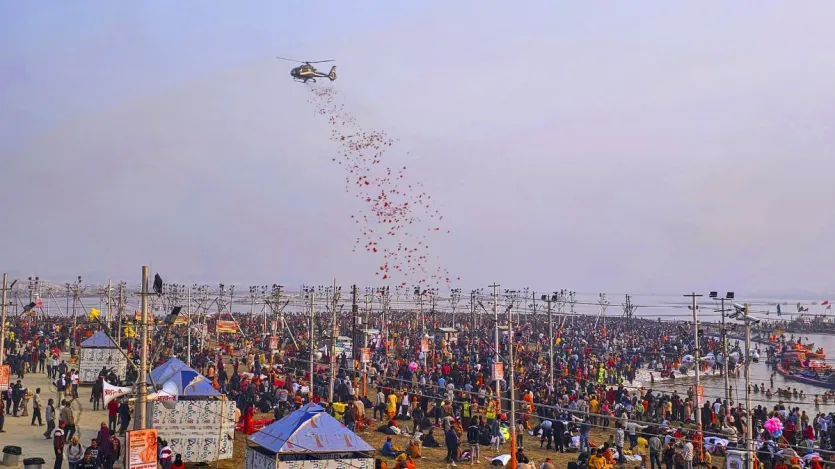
[[576, 393]]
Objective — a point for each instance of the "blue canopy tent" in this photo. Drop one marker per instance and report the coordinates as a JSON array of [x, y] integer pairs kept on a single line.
[[99, 339], [99, 351], [189, 382], [306, 435], [200, 423]]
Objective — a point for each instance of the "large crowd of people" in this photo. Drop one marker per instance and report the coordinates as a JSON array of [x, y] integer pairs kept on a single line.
[[426, 386]]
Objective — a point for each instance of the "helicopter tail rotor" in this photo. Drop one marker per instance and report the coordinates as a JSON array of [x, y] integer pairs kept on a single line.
[[332, 73]]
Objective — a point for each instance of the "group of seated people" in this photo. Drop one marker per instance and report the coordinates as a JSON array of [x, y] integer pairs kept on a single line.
[[403, 459]]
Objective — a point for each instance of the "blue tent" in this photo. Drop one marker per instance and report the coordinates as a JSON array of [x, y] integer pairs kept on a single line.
[[99, 339], [167, 370], [309, 430], [189, 381]]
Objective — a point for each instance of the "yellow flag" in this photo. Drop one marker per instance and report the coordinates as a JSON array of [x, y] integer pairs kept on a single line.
[[94, 313], [129, 332]]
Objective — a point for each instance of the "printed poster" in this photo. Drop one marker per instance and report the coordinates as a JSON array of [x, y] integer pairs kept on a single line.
[[228, 327], [359, 463], [199, 430], [498, 370], [257, 460], [141, 451], [93, 359], [5, 371]]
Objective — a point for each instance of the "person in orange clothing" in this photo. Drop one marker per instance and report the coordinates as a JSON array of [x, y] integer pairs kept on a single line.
[[698, 439], [608, 457], [249, 428]]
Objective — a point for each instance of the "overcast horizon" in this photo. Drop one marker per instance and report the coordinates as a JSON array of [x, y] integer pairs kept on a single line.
[[648, 147]]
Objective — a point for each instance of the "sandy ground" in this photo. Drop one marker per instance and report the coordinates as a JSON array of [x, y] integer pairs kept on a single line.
[[20, 432]]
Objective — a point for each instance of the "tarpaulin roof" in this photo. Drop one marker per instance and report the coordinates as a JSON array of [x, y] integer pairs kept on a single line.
[[309, 430], [190, 383], [99, 339]]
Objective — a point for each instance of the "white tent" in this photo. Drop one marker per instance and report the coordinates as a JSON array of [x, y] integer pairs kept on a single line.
[[98, 352]]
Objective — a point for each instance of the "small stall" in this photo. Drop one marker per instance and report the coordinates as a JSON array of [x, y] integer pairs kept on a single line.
[[444, 337], [97, 352], [197, 421], [308, 438]]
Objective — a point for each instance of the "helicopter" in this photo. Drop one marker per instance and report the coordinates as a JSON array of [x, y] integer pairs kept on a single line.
[[306, 71]]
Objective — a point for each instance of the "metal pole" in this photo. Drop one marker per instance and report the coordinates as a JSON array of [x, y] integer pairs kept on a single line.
[[110, 302], [334, 334], [453, 315], [74, 316], [312, 346], [3, 319], [119, 311], [188, 329], [749, 417], [697, 355], [266, 327], [383, 329], [725, 366], [496, 330], [472, 318], [512, 385], [422, 322], [354, 319], [141, 384], [280, 323], [551, 342]]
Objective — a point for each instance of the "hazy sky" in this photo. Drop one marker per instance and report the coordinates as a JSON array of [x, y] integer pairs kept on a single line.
[[648, 146]]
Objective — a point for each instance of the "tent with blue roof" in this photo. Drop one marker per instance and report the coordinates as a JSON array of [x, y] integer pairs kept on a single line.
[[99, 351], [99, 339], [198, 421], [307, 434], [188, 381]]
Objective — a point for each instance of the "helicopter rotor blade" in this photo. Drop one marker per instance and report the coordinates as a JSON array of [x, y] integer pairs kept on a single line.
[[290, 60], [320, 61]]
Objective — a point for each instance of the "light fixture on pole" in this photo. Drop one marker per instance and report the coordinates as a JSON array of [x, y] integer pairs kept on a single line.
[[724, 334], [454, 299], [741, 313]]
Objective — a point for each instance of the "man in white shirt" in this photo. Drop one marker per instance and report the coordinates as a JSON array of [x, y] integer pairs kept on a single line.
[[687, 454], [36, 408], [75, 382], [53, 367]]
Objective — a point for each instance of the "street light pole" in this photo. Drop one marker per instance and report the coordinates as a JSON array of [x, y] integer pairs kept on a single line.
[[312, 344], [697, 355], [749, 420], [496, 332], [511, 384], [3, 319], [550, 340], [725, 362], [142, 383]]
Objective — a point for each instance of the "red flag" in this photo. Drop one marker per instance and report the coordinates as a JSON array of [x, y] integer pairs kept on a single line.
[[39, 303], [825, 303]]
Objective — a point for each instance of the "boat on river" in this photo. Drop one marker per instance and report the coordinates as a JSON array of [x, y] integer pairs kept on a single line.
[[808, 376], [819, 353]]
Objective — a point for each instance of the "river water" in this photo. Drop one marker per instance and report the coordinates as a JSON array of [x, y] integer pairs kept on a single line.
[[761, 374]]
